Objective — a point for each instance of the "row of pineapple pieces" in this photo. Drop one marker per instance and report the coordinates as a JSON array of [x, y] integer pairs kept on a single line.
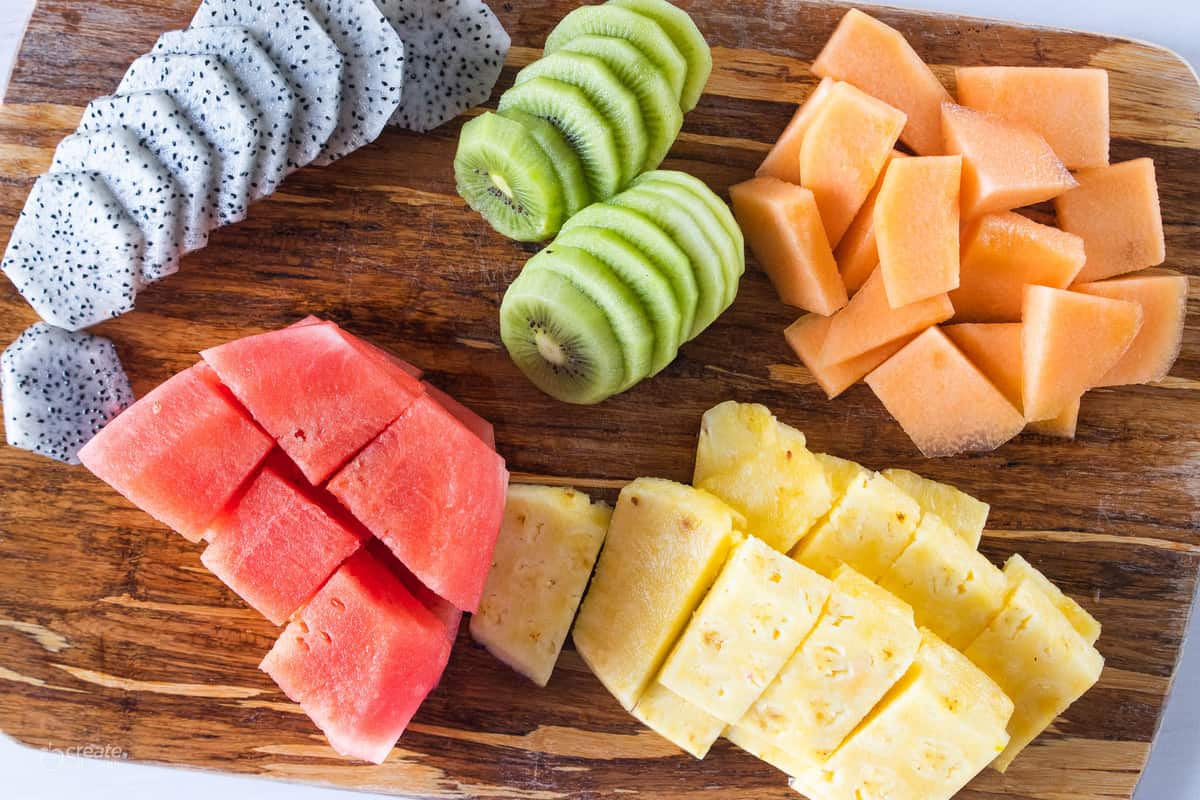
[[857, 640]]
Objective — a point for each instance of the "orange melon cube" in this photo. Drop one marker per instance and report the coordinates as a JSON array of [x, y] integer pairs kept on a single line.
[[1068, 107], [856, 254], [844, 151], [1061, 427], [1116, 211], [1005, 166], [1163, 297], [783, 161], [806, 336], [1001, 253], [868, 322], [916, 228], [879, 60], [784, 231], [1069, 342], [942, 401]]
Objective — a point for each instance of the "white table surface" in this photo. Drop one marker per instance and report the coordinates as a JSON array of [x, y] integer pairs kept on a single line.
[[1174, 771]]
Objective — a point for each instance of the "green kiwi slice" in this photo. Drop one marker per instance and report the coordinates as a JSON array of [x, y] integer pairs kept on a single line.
[[567, 108], [504, 174], [620, 304], [655, 245], [660, 111], [680, 26], [560, 339], [642, 276], [565, 160], [640, 31], [608, 94]]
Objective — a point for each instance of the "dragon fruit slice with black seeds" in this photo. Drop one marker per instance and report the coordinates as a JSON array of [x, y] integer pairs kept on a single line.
[[74, 254], [59, 389]]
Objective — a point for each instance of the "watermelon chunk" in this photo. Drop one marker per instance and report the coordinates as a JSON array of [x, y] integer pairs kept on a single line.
[[360, 658], [446, 612], [181, 452], [433, 492], [472, 421], [315, 391], [276, 545]]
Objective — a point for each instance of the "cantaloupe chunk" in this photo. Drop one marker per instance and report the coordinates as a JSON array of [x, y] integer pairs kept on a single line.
[[1001, 253], [1069, 342], [868, 321], [1116, 211], [916, 228], [856, 254], [844, 151], [784, 230], [879, 60], [1163, 297], [783, 161], [1068, 107], [942, 401], [807, 336], [1061, 427], [1005, 166]]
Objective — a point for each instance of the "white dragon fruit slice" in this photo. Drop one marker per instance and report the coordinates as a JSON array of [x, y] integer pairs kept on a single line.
[[74, 254], [453, 53], [373, 76], [207, 93], [141, 184], [59, 389], [164, 130], [302, 49], [260, 80]]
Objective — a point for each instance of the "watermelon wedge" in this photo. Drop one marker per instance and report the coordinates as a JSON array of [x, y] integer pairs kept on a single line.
[[360, 658], [181, 452], [433, 492], [276, 545], [472, 421], [315, 391], [366, 347]]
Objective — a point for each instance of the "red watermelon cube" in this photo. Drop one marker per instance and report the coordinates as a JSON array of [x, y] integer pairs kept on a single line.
[[181, 452], [276, 545], [473, 422], [360, 658], [315, 391], [364, 345], [433, 492]]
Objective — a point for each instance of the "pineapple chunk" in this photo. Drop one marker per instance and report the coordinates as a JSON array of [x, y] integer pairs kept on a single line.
[[1039, 659], [919, 743], [761, 468], [677, 720], [867, 529], [548, 542], [863, 644], [758, 611], [953, 589], [840, 472], [965, 515], [666, 543], [967, 689], [762, 748], [1018, 569]]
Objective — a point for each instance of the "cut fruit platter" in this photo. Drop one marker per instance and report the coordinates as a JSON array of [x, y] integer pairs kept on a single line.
[[286, 445]]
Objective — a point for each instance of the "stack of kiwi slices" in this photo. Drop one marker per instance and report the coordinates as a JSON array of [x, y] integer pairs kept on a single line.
[[622, 287], [603, 105]]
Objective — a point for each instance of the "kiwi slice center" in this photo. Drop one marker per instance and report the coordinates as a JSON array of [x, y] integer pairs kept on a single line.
[[549, 349], [501, 184]]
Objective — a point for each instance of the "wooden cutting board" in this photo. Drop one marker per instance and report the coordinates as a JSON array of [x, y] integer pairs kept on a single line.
[[112, 634]]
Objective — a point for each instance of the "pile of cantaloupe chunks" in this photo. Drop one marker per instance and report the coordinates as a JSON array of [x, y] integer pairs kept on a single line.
[[835, 622], [971, 321]]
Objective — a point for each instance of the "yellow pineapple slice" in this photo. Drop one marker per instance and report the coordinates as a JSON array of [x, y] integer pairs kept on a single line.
[[1018, 569], [862, 645], [965, 515], [840, 472], [1039, 659], [867, 529], [677, 720], [763, 469], [919, 742], [666, 543], [764, 749], [759, 609], [548, 542], [953, 589]]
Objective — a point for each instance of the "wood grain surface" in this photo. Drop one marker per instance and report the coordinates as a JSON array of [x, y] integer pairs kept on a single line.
[[111, 632]]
